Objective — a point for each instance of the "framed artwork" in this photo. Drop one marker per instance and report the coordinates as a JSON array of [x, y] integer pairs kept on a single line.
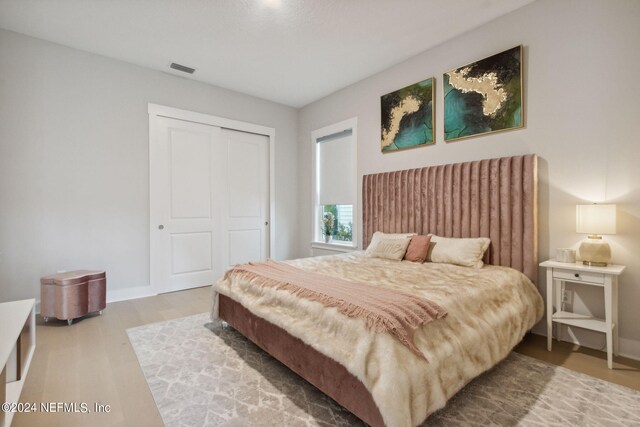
[[408, 117], [484, 96]]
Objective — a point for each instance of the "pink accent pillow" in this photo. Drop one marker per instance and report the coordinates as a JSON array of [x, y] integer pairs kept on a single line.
[[418, 248]]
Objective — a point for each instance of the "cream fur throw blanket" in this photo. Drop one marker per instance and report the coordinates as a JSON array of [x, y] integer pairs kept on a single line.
[[383, 310], [490, 309]]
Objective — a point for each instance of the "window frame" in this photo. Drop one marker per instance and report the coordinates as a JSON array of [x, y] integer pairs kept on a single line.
[[316, 237]]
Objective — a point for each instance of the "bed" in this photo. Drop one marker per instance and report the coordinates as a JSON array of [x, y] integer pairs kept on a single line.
[[489, 309]]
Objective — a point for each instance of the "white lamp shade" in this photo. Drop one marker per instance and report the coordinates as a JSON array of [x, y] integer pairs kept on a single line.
[[596, 219]]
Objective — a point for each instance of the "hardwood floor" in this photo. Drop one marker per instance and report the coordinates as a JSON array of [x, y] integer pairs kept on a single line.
[[92, 361], [625, 371]]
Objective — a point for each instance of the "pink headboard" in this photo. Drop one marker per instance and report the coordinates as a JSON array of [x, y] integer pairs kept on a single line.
[[495, 198]]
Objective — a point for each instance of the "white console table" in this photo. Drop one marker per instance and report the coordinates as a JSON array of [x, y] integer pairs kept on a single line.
[[17, 344]]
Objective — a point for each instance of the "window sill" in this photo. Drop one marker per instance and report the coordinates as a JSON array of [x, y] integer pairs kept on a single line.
[[333, 246]]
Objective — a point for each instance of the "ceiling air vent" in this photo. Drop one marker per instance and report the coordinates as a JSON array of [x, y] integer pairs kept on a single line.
[[182, 68]]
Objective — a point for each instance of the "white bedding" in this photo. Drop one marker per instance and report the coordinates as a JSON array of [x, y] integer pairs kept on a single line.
[[490, 309]]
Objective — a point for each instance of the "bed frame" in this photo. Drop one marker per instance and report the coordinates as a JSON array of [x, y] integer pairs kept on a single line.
[[495, 198]]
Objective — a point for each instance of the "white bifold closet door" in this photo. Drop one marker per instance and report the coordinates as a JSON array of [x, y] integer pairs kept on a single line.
[[209, 200]]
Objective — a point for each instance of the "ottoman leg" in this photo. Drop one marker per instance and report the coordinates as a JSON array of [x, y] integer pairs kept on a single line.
[[100, 312], [46, 319], [69, 322]]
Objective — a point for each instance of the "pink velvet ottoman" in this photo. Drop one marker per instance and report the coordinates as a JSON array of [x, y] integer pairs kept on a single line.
[[73, 294]]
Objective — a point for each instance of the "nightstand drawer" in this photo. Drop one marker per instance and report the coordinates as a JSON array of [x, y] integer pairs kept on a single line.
[[582, 276]]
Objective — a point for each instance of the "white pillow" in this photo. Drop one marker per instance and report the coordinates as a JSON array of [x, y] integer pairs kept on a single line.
[[379, 235], [466, 252], [390, 249]]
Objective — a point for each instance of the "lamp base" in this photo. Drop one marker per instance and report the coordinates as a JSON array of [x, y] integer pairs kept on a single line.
[[595, 252], [595, 264]]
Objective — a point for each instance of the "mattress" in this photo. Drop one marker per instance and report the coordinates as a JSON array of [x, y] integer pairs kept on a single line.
[[490, 309]]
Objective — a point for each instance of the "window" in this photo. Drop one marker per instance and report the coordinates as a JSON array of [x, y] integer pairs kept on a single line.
[[342, 229], [335, 183]]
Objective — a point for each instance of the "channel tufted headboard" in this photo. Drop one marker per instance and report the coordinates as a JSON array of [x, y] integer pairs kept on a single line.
[[495, 198]]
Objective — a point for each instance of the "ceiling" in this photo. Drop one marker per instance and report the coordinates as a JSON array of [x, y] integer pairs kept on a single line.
[[288, 51]]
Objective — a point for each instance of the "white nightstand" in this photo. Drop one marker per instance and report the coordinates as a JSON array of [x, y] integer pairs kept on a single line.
[[606, 277]]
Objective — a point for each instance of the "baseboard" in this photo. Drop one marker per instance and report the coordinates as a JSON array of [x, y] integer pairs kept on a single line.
[[628, 348], [129, 293]]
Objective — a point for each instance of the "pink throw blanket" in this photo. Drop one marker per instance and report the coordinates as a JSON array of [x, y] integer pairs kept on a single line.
[[383, 310]]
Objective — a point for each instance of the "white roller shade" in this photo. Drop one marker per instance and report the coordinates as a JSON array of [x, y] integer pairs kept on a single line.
[[336, 169]]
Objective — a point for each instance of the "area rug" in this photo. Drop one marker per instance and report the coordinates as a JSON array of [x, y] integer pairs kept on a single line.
[[201, 374]]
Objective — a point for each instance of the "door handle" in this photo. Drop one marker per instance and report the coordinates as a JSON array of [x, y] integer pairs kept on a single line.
[[161, 227], [266, 223]]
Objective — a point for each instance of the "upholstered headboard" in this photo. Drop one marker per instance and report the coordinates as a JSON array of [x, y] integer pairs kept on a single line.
[[495, 198]]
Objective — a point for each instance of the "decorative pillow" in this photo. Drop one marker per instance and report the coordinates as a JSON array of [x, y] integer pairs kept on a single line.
[[418, 248], [390, 249], [465, 252], [379, 235]]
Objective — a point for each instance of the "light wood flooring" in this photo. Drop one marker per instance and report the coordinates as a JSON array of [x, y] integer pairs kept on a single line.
[[93, 361]]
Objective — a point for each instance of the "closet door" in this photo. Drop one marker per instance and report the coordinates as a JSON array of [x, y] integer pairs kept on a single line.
[[247, 213], [206, 199]]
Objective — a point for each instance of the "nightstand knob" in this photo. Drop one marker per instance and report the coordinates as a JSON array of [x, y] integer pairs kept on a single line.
[[577, 275]]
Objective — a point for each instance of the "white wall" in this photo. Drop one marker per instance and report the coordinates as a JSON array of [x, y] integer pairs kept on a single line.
[[74, 174], [581, 69]]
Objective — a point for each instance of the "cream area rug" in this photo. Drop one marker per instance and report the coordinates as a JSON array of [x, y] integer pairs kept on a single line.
[[201, 374]]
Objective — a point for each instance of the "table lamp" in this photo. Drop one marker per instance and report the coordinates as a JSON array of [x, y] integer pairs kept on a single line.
[[595, 220]]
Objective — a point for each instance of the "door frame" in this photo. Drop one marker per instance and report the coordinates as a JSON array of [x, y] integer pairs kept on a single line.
[[156, 110]]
